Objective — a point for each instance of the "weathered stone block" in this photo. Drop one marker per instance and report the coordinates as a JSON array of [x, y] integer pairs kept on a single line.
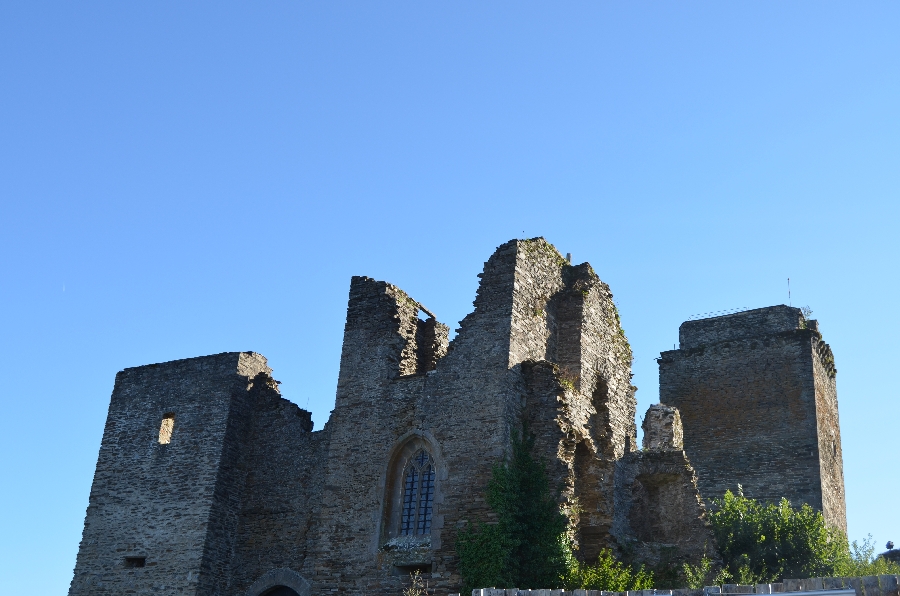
[[871, 585], [857, 584], [890, 586], [662, 429], [812, 583]]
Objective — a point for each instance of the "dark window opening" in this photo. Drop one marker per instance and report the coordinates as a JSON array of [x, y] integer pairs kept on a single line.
[[281, 591], [407, 569], [133, 562], [418, 495]]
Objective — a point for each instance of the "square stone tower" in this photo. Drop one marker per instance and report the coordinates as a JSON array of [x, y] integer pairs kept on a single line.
[[758, 401], [160, 517]]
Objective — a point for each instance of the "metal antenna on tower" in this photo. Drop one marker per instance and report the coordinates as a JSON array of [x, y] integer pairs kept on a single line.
[[789, 292]]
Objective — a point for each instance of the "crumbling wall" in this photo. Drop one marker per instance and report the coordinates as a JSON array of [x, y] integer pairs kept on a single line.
[[662, 428], [431, 343], [660, 519], [379, 350], [283, 463], [544, 341], [459, 411], [579, 398]]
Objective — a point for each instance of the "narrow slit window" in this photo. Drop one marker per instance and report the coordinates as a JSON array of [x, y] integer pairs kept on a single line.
[[418, 495], [132, 562], [165, 429]]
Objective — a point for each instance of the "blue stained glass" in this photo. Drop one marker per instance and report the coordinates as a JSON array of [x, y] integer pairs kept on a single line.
[[410, 488], [426, 499], [418, 495]]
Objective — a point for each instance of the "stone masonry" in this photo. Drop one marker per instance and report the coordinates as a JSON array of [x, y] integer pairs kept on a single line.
[[662, 429], [758, 401], [208, 482], [660, 518]]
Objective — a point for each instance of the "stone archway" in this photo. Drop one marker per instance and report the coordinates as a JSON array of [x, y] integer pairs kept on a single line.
[[280, 582]]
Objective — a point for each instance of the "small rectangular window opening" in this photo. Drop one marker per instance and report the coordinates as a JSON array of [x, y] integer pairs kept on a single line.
[[165, 429], [133, 562], [407, 569]]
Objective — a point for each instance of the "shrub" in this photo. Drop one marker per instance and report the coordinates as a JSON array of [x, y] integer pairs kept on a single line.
[[861, 560], [417, 585], [769, 542], [707, 573], [528, 545], [766, 542], [606, 574]]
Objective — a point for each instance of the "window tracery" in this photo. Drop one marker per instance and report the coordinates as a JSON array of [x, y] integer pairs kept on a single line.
[[418, 495]]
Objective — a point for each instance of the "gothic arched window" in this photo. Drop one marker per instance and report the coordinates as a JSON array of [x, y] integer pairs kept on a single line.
[[418, 495]]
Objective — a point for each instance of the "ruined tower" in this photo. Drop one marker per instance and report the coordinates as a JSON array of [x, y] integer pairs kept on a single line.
[[757, 397], [162, 510]]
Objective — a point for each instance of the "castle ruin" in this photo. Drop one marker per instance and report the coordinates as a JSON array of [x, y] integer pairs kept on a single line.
[[208, 482]]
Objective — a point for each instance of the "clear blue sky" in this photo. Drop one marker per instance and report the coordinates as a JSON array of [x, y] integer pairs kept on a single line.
[[180, 179]]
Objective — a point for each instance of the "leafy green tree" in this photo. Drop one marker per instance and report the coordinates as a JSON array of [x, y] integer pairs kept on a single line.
[[526, 546], [769, 542], [699, 576], [860, 560]]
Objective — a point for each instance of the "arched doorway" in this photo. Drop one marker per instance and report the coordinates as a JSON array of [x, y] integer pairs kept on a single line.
[[279, 582], [281, 591]]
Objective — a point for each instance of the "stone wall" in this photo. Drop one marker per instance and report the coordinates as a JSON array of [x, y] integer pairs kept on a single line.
[[161, 517], [660, 519], [282, 464], [757, 398], [831, 460], [541, 339], [579, 399], [871, 585]]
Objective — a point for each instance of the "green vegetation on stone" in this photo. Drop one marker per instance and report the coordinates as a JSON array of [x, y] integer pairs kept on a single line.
[[528, 545], [760, 543], [606, 574], [524, 547]]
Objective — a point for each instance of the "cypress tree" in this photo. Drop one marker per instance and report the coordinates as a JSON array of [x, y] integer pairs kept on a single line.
[[526, 547]]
